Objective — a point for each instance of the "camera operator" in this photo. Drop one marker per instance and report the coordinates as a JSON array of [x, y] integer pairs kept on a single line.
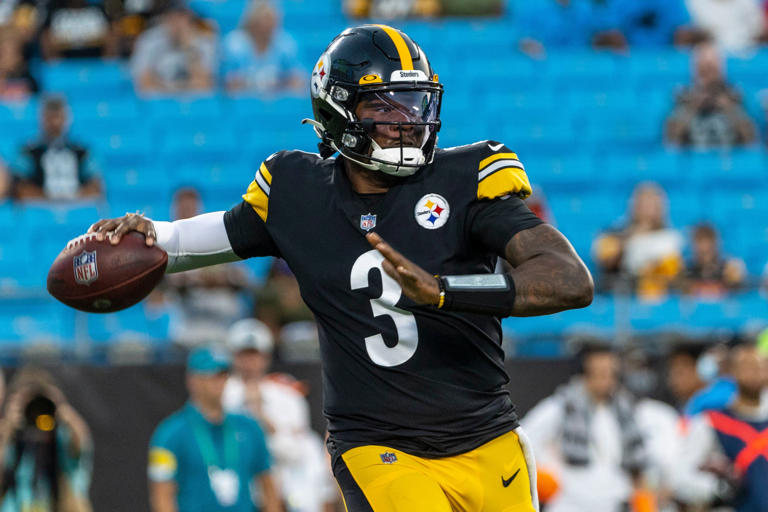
[[45, 448]]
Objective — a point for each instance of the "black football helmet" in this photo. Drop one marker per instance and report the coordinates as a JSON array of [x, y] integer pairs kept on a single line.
[[385, 71]]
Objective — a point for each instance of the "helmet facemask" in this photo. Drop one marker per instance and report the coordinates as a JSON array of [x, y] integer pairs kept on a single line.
[[405, 118], [394, 130]]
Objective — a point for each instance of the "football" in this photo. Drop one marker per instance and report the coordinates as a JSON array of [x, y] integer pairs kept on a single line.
[[98, 277]]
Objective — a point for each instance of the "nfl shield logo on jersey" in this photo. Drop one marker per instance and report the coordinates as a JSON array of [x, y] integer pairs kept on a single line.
[[367, 222], [388, 457], [85, 267]]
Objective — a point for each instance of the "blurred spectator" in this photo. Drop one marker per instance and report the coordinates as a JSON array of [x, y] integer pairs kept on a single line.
[[393, 9], [646, 253], [76, 28], [723, 461], [46, 448], [713, 367], [279, 302], [209, 299], [587, 435], [733, 24], [174, 56], [657, 421], [54, 167], [260, 57], [16, 82], [709, 113], [130, 19], [683, 379], [25, 18], [708, 274], [203, 458], [278, 401]]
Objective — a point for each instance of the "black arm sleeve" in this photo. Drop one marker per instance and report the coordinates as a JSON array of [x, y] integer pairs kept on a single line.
[[493, 223], [247, 233]]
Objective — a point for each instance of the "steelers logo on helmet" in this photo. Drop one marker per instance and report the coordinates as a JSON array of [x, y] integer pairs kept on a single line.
[[319, 76], [432, 211]]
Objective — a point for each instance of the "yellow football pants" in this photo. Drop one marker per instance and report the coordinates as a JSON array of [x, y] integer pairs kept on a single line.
[[494, 477]]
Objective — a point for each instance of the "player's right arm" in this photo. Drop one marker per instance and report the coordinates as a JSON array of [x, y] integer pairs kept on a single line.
[[207, 239]]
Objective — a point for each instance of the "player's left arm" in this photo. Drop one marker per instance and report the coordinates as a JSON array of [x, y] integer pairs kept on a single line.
[[548, 274]]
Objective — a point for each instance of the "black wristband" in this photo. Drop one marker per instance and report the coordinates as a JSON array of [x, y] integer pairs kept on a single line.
[[487, 294]]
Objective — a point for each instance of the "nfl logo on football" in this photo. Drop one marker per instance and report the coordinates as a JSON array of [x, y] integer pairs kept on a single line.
[[367, 222], [85, 267]]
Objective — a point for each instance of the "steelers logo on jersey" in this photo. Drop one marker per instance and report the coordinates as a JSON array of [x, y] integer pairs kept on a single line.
[[432, 211]]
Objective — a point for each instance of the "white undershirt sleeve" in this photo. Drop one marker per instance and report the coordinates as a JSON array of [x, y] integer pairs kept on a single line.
[[196, 242]]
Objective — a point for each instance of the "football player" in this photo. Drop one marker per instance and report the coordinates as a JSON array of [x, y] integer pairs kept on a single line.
[[394, 244]]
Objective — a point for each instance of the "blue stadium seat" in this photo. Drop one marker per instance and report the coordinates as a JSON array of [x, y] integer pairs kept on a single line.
[[111, 327], [121, 145], [716, 169], [617, 129], [556, 173], [651, 316], [628, 168], [207, 108], [88, 79], [657, 67]]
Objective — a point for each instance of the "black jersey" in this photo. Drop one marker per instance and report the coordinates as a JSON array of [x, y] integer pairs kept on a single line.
[[422, 380]]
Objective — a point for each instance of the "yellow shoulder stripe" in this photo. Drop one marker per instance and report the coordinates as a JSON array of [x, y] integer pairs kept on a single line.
[[506, 181], [493, 158], [264, 172], [257, 194], [402, 47]]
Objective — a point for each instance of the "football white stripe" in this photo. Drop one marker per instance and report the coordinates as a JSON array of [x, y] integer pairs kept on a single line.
[[499, 165], [262, 182]]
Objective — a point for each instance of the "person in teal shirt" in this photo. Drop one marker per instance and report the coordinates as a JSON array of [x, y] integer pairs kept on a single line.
[[203, 459]]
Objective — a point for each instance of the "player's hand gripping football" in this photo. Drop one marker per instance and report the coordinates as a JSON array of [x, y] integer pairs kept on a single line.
[[115, 228], [419, 285]]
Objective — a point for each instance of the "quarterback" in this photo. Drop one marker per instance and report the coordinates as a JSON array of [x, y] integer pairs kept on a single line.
[[394, 243]]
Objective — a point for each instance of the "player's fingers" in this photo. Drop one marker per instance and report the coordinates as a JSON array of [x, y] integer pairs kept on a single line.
[[103, 227], [96, 225], [390, 270], [117, 233], [150, 236], [386, 250], [407, 275]]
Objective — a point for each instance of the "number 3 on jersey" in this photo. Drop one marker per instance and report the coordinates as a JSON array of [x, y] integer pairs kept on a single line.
[[405, 323]]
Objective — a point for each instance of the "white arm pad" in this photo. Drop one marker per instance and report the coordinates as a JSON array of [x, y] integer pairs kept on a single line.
[[196, 242]]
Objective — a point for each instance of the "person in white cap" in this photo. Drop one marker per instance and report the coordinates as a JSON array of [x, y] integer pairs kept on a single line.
[[278, 401]]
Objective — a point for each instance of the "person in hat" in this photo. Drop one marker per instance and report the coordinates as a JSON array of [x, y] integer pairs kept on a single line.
[[202, 458], [278, 401]]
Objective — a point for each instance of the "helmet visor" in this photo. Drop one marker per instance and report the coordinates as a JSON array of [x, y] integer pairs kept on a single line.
[[408, 107], [399, 118]]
